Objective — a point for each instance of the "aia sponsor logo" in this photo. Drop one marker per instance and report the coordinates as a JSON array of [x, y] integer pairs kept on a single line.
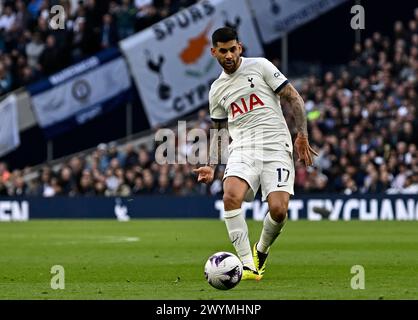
[[245, 105]]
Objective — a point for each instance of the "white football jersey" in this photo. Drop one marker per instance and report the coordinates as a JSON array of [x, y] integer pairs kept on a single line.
[[247, 99]]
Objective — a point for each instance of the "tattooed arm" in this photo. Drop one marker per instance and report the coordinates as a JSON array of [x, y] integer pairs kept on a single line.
[[304, 151], [289, 94], [217, 150]]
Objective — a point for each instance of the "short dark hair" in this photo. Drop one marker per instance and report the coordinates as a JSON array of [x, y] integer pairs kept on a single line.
[[224, 34]]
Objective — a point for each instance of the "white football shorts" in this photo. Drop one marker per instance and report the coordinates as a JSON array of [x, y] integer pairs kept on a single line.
[[272, 175]]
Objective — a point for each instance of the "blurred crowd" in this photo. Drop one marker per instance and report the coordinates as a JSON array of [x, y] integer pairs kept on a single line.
[[31, 47], [107, 171], [363, 121]]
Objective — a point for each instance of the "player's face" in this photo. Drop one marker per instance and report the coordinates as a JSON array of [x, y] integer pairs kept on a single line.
[[228, 55]]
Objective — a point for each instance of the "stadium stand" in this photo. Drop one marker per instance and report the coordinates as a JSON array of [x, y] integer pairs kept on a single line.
[[363, 118], [30, 50]]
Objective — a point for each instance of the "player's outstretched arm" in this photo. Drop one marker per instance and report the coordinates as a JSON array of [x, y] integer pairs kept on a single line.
[[304, 151], [217, 148]]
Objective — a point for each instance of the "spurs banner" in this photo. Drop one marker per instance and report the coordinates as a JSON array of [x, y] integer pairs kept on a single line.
[[276, 17], [9, 128], [171, 62], [81, 92]]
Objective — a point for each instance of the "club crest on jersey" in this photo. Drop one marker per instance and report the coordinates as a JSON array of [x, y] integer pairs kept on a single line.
[[250, 80], [245, 105]]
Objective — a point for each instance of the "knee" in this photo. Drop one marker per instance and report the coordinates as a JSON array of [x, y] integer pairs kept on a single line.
[[278, 211], [232, 200]]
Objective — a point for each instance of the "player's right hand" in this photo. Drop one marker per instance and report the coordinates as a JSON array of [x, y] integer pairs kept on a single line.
[[205, 174]]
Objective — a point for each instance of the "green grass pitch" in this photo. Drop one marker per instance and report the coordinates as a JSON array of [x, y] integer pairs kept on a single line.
[[164, 259]]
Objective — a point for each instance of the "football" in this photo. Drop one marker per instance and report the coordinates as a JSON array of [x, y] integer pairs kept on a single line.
[[223, 270]]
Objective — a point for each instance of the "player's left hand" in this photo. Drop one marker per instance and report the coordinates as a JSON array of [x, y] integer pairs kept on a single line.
[[304, 151]]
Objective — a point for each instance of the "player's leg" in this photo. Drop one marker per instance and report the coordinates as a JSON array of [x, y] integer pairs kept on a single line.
[[274, 220], [235, 190], [277, 181], [273, 225]]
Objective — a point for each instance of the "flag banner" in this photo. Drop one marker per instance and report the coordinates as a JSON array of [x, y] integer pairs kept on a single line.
[[81, 92], [276, 17], [171, 62], [9, 128]]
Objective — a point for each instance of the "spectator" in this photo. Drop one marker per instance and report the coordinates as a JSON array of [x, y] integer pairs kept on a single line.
[[5, 79], [109, 33], [34, 50], [66, 181], [23, 18], [144, 159], [114, 153], [45, 188], [86, 184], [50, 57], [7, 19], [4, 172], [3, 188], [125, 17], [149, 184], [99, 188], [147, 14], [34, 8], [19, 187], [131, 157], [178, 181], [400, 179], [112, 182], [190, 187], [163, 184], [411, 184], [138, 187]]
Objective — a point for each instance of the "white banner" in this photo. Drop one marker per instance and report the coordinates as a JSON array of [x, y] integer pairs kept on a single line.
[[281, 16], [80, 92], [9, 128], [171, 61]]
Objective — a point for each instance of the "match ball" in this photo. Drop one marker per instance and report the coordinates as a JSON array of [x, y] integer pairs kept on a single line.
[[223, 270]]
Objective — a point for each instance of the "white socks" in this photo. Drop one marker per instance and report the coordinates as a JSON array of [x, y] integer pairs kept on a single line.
[[238, 234], [271, 230]]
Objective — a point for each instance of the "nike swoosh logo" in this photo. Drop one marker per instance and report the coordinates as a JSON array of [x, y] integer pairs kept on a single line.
[[281, 185]]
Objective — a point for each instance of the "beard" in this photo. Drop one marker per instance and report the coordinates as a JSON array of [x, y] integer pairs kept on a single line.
[[229, 65]]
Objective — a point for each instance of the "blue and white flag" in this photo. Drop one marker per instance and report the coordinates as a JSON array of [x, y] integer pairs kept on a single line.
[[81, 92], [171, 62], [277, 17], [9, 128]]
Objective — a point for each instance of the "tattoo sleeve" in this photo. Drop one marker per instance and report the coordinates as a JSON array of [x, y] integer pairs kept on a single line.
[[289, 94], [219, 141]]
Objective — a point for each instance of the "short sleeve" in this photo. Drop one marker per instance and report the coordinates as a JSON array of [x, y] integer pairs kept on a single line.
[[274, 78], [216, 111]]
